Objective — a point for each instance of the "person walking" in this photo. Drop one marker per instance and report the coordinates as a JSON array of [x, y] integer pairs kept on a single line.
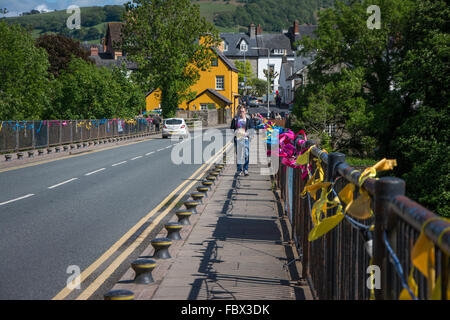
[[243, 128], [156, 122]]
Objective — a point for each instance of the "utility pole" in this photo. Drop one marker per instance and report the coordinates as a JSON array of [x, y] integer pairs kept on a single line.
[[268, 76]]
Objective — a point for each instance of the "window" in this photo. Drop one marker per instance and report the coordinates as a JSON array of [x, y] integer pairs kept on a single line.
[[330, 129], [244, 46], [220, 83], [279, 51], [206, 106], [225, 46], [214, 62], [173, 121]]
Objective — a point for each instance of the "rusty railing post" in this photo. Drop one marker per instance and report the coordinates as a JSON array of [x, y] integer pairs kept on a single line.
[[386, 189], [333, 286]]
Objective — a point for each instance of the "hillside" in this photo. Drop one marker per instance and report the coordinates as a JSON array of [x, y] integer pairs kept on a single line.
[[273, 15]]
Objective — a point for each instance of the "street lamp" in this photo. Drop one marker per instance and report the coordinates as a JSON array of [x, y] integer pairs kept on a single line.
[[268, 76]]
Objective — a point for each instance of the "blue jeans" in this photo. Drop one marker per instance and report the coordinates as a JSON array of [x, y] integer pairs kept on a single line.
[[242, 148]]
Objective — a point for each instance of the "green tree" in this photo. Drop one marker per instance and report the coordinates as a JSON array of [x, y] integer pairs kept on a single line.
[[162, 37], [245, 71], [344, 42], [421, 143], [85, 91], [387, 87], [259, 87], [24, 83]]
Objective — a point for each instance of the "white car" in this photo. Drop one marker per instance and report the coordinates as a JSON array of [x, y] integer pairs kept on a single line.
[[174, 127]]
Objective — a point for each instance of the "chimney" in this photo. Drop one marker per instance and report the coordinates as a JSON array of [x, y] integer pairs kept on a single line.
[[104, 44], [252, 31], [94, 51], [259, 30], [296, 31]]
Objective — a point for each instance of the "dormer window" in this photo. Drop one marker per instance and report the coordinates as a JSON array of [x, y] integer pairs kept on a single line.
[[225, 45], [243, 46], [279, 51]]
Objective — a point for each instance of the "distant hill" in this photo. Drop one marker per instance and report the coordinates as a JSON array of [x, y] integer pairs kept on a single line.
[[273, 15]]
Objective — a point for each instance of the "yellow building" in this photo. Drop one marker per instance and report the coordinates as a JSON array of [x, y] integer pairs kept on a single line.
[[217, 88]]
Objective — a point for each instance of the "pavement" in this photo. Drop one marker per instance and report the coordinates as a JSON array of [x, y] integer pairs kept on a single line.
[[238, 246]]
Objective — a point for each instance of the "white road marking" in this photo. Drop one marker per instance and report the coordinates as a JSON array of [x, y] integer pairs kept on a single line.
[[147, 154], [20, 198], [160, 149], [88, 174], [136, 158], [116, 164], [64, 182]]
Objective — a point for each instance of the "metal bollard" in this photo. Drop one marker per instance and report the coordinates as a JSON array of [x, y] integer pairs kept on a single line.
[[19, 155], [161, 246], [213, 173], [72, 146], [49, 150], [30, 154], [57, 149], [79, 145], [40, 152], [198, 196], [207, 183], [8, 157], [119, 295], [203, 190], [173, 230], [191, 205], [143, 269], [66, 148], [212, 179], [183, 217]]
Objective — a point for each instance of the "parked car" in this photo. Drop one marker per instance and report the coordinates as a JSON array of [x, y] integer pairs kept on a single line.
[[253, 102], [175, 127]]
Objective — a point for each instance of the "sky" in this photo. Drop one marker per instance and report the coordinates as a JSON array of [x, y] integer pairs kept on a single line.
[[15, 7]]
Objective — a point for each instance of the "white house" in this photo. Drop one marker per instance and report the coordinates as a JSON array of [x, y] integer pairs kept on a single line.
[[272, 49]]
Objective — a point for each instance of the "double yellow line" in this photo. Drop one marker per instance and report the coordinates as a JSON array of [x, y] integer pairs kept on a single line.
[[85, 294]]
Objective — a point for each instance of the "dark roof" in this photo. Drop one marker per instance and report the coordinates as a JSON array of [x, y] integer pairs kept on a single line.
[[105, 60], [214, 92], [303, 30], [274, 41], [234, 40], [114, 30], [299, 64], [88, 46], [150, 92], [226, 60]]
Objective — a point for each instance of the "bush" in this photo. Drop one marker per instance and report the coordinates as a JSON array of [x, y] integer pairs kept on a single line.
[[422, 152]]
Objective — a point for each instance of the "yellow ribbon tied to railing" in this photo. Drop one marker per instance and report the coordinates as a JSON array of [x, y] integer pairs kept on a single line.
[[320, 208], [303, 158], [423, 259], [360, 207]]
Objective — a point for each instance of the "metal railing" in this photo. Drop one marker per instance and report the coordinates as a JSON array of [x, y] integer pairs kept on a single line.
[[25, 135], [336, 265]]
